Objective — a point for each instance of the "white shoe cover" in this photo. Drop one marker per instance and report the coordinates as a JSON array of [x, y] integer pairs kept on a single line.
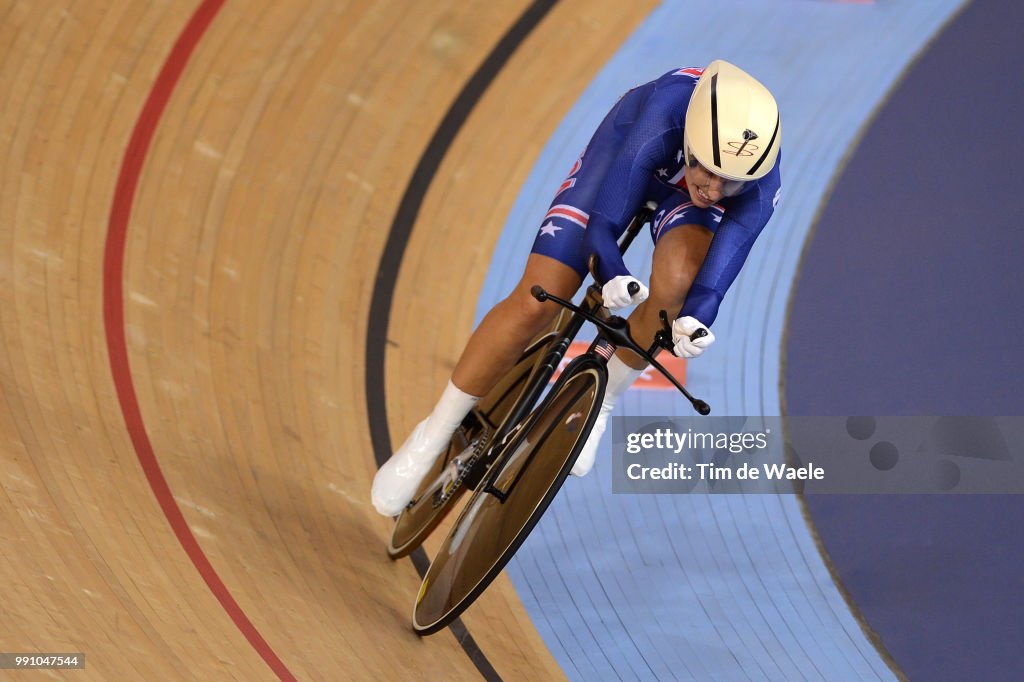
[[396, 482]]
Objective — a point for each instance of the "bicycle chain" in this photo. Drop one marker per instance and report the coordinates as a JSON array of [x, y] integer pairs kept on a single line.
[[464, 467]]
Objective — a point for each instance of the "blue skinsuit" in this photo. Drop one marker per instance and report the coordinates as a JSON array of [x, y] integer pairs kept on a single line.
[[636, 156]]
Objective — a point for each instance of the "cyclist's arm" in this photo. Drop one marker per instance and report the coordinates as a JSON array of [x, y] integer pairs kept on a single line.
[[729, 249], [622, 193]]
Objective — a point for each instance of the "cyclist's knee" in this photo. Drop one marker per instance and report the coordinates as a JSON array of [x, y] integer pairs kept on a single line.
[[527, 313], [677, 259], [531, 315], [669, 289]]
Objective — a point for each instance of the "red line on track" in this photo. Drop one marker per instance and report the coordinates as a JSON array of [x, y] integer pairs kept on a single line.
[[113, 317]]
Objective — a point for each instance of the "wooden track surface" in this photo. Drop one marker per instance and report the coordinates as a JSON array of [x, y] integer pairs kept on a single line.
[[259, 217]]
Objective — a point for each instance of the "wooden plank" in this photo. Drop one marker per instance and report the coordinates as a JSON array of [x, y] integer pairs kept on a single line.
[[260, 213]]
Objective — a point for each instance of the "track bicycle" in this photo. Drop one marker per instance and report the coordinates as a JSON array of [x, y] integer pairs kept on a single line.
[[486, 429], [531, 459]]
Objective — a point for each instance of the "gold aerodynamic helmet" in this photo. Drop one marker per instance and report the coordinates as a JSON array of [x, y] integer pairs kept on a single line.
[[732, 126]]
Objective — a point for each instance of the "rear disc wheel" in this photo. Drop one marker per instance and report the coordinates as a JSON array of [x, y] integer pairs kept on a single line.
[[492, 526]]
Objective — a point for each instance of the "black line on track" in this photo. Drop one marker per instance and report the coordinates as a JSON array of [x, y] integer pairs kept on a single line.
[[394, 251]]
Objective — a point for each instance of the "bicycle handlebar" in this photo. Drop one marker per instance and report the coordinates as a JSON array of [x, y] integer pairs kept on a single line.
[[617, 331]]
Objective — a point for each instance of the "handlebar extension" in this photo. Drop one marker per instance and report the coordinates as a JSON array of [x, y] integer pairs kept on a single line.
[[617, 331]]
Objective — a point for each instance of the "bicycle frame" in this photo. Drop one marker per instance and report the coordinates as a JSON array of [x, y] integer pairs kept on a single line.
[[546, 368]]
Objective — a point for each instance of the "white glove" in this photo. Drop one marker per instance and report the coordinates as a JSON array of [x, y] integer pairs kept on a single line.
[[616, 295], [682, 329]]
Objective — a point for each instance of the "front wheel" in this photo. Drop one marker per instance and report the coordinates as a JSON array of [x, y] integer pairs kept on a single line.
[[499, 516]]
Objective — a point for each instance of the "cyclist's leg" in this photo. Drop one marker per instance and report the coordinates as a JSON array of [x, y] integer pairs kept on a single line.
[[398, 479], [510, 325], [557, 263], [678, 256], [492, 350], [682, 235]]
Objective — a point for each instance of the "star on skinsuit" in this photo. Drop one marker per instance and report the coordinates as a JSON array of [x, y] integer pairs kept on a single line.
[[549, 229]]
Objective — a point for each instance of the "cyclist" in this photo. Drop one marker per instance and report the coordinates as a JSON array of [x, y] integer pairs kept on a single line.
[[703, 144]]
